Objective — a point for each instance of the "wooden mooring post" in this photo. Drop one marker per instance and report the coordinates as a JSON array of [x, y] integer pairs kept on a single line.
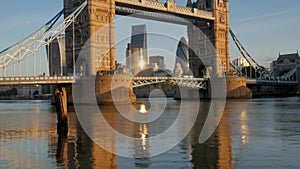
[[61, 105]]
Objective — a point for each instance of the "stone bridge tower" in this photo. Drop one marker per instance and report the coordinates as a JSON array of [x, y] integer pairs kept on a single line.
[[95, 25], [217, 32]]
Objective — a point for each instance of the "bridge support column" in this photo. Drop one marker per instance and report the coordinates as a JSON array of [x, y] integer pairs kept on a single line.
[[114, 89], [61, 106], [237, 89]]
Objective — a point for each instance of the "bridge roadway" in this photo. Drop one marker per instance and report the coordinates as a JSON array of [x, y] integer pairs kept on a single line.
[[189, 82], [272, 82], [137, 81], [200, 83], [37, 80]]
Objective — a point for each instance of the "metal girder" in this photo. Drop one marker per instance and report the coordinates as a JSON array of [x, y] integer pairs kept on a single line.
[[258, 68], [152, 15], [289, 76], [243, 51], [139, 83], [264, 74], [37, 40], [190, 83], [237, 69], [178, 81], [161, 10]]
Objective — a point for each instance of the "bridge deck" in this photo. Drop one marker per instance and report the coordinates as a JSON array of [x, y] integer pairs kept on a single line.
[[273, 82], [11, 81], [166, 78], [14, 81], [137, 81], [189, 82], [171, 8]]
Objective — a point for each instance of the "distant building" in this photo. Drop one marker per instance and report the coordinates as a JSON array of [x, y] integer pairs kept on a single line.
[[240, 62], [181, 63], [157, 60], [57, 56], [285, 63], [122, 69], [136, 52]]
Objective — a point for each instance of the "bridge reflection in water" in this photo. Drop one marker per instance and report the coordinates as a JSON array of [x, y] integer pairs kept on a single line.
[[80, 150], [75, 149], [251, 134]]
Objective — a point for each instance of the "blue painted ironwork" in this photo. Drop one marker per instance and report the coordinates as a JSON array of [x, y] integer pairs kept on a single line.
[[152, 15], [263, 72], [37, 40], [198, 83]]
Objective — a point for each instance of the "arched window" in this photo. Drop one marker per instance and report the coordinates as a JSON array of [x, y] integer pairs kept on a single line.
[[78, 37]]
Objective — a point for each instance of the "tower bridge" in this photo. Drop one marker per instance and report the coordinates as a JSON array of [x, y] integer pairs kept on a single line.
[[206, 20], [84, 18], [209, 17], [136, 81], [155, 10]]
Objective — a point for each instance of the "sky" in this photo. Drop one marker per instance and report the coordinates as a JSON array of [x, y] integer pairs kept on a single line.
[[265, 28]]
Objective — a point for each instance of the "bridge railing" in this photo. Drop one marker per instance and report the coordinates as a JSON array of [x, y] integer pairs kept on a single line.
[[271, 82], [159, 5], [189, 82], [167, 78], [37, 78], [183, 9]]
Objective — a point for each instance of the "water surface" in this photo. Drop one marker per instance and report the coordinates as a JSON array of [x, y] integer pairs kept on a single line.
[[257, 133]]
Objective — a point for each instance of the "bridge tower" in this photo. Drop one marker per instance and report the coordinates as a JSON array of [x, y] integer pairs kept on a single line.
[[216, 31], [94, 25]]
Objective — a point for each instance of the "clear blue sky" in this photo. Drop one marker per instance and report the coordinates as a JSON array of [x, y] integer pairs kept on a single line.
[[264, 27]]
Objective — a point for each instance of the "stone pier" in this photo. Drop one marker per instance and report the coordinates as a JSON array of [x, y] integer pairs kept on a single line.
[[106, 89], [237, 88], [114, 89]]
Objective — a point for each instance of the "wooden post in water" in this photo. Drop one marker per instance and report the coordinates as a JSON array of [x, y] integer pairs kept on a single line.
[[61, 105]]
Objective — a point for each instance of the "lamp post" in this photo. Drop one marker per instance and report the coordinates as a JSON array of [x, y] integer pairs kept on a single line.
[[73, 28]]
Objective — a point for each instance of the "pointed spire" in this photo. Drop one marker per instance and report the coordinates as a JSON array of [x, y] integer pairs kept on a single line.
[[189, 4]]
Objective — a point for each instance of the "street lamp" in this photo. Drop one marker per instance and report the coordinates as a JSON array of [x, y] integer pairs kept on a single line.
[[73, 27]]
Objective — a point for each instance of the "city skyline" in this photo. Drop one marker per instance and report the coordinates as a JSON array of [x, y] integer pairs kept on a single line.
[[277, 30]]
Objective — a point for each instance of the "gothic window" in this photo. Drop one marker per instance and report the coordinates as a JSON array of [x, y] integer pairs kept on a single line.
[[78, 37], [86, 36], [222, 19], [208, 4], [221, 3]]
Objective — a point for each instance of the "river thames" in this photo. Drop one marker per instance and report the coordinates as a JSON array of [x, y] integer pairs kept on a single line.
[[255, 133]]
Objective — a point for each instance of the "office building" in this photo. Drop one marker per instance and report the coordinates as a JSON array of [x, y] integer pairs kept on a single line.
[[158, 61], [136, 52]]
